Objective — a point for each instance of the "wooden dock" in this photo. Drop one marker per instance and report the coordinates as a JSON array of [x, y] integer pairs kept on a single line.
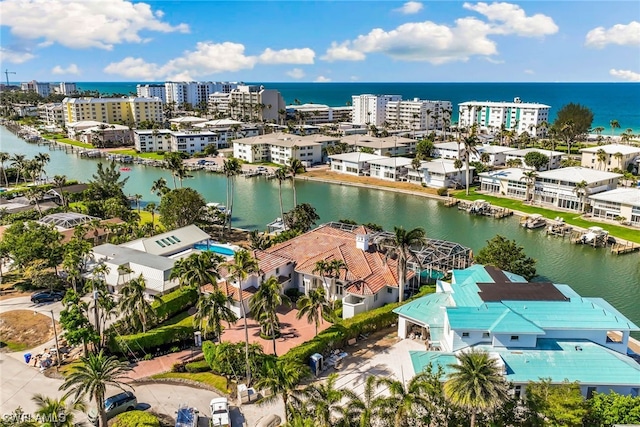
[[620, 248], [451, 201], [559, 229]]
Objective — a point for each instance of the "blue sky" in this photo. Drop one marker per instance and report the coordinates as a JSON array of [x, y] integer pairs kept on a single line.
[[339, 41]]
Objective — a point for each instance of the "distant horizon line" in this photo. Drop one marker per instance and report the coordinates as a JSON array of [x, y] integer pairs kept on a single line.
[[323, 83]]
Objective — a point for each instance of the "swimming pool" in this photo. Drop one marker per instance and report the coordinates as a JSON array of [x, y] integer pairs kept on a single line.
[[215, 247]]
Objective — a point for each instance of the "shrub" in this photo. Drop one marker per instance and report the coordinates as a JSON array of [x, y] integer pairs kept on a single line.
[[136, 419], [174, 349], [174, 303], [178, 367], [199, 366], [293, 294], [443, 191], [175, 330]]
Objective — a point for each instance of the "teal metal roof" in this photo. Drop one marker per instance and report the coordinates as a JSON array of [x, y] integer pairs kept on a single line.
[[421, 359], [427, 310], [491, 317]]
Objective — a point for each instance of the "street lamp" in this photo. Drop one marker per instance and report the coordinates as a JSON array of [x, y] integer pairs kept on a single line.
[[55, 334]]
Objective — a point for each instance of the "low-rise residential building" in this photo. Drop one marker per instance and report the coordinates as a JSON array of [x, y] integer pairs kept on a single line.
[[450, 150], [186, 122], [391, 145], [439, 173], [280, 148], [532, 329], [617, 204], [152, 140], [609, 157], [354, 163], [228, 130], [390, 168], [554, 157], [313, 114], [192, 141], [100, 134], [130, 110], [515, 116]]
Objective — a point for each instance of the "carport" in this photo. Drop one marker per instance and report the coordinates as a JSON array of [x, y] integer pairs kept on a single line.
[[423, 319]]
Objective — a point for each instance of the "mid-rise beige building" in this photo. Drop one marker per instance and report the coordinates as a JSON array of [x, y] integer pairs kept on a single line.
[[418, 114], [131, 110], [609, 157]]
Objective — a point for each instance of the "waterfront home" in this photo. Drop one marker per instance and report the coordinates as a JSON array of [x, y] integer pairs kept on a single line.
[[617, 204], [451, 150], [439, 173], [389, 146], [533, 330], [615, 156], [99, 134], [151, 140], [515, 116], [97, 231], [151, 257], [554, 157], [559, 188], [355, 163], [390, 168], [280, 148]]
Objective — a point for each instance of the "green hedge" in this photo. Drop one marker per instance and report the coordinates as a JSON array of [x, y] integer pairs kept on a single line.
[[175, 330], [174, 303], [136, 419], [199, 366]]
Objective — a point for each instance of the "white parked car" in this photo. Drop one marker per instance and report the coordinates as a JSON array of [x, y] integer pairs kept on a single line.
[[220, 412]]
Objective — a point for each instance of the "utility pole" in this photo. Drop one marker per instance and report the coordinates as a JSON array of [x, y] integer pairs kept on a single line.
[[6, 73]]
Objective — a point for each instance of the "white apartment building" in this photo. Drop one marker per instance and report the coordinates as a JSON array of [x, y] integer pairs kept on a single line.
[[129, 110], [615, 156], [555, 157], [42, 89], [192, 141], [418, 114], [65, 88], [391, 145], [194, 93], [438, 174], [616, 204], [450, 150], [255, 103], [515, 116], [280, 148], [371, 109], [152, 140], [313, 114], [228, 130], [51, 114], [152, 91]]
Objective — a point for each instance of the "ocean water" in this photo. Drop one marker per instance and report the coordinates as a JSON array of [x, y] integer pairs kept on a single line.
[[608, 101]]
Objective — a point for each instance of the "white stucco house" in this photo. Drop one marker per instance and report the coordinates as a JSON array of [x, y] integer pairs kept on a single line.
[[439, 173], [532, 329], [390, 168], [554, 157], [616, 204], [355, 163], [615, 156]]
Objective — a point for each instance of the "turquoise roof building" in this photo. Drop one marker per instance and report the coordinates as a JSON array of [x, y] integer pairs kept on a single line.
[[536, 330]]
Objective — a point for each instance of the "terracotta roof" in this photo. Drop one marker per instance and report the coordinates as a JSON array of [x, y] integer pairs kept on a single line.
[[368, 271], [230, 290], [270, 261]]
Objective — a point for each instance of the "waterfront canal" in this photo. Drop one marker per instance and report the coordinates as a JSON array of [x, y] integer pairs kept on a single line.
[[591, 272]]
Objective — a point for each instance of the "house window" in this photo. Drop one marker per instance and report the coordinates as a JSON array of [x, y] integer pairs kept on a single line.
[[515, 337], [339, 289], [465, 335], [278, 270], [389, 290], [590, 391], [486, 335], [375, 297]]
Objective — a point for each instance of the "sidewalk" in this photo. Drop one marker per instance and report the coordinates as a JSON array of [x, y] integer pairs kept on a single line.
[[158, 365]]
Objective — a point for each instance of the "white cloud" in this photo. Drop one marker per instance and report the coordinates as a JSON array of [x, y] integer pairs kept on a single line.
[[14, 57], [296, 73], [494, 61], [627, 75], [322, 79], [512, 19], [84, 24], [528, 71], [287, 56], [208, 58], [71, 69], [410, 7], [354, 78], [621, 34], [342, 52]]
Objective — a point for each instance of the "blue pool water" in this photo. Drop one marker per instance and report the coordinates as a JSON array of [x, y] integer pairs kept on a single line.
[[222, 250]]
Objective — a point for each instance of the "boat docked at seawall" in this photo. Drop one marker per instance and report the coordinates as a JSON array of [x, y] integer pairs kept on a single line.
[[594, 233], [219, 206], [533, 221]]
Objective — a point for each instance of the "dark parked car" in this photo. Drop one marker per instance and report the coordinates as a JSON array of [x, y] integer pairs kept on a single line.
[[46, 296], [114, 405]]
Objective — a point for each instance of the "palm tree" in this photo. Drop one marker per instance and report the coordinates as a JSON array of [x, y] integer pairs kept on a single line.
[[323, 400], [360, 412], [197, 270], [403, 399], [530, 178], [619, 157], [133, 305], [281, 376], [137, 198], [581, 191], [239, 269], [151, 208], [211, 311], [160, 187], [400, 247], [295, 167], [475, 383], [4, 157], [231, 168], [18, 162], [58, 412], [92, 376], [614, 125], [601, 155], [314, 306], [469, 143], [174, 163], [281, 175], [35, 194], [59, 181], [264, 307]]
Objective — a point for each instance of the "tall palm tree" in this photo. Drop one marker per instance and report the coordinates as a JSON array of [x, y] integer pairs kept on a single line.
[[400, 247], [361, 411], [243, 265], [313, 305], [4, 157], [137, 198], [281, 175], [174, 163], [295, 167], [322, 268], [42, 159], [281, 376], [18, 162], [151, 208], [530, 181], [323, 400], [92, 376], [475, 383], [470, 142], [57, 412], [59, 181], [160, 187], [231, 168], [619, 157], [614, 125], [264, 307], [197, 270], [601, 155], [211, 311], [133, 305], [35, 195], [403, 399], [581, 191]]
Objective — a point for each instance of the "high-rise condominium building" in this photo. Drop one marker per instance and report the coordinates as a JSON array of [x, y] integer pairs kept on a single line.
[[371, 109], [195, 93], [113, 110], [42, 89], [515, 116], [152, 91], [418, 114]]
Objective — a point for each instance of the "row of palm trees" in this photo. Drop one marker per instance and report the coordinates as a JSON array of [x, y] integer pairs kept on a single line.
[[24, 168]]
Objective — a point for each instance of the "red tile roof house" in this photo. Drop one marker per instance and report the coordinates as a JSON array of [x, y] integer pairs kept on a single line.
[[368, 281]]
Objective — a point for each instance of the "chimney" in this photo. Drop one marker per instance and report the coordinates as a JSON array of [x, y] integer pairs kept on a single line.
[[362, 242]]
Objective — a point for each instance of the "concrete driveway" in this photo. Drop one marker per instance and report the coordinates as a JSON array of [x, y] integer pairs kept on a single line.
[[24, 303]]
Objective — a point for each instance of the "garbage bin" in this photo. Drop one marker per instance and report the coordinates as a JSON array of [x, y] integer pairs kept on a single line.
[[27, 357]]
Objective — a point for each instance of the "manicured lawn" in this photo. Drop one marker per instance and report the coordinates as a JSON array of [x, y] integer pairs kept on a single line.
[[572, 218], [74, 143], [146, 217], [154, 156], [208, 378]]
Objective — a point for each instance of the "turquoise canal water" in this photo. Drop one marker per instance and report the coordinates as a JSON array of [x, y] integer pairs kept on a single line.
[[591, 272]]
